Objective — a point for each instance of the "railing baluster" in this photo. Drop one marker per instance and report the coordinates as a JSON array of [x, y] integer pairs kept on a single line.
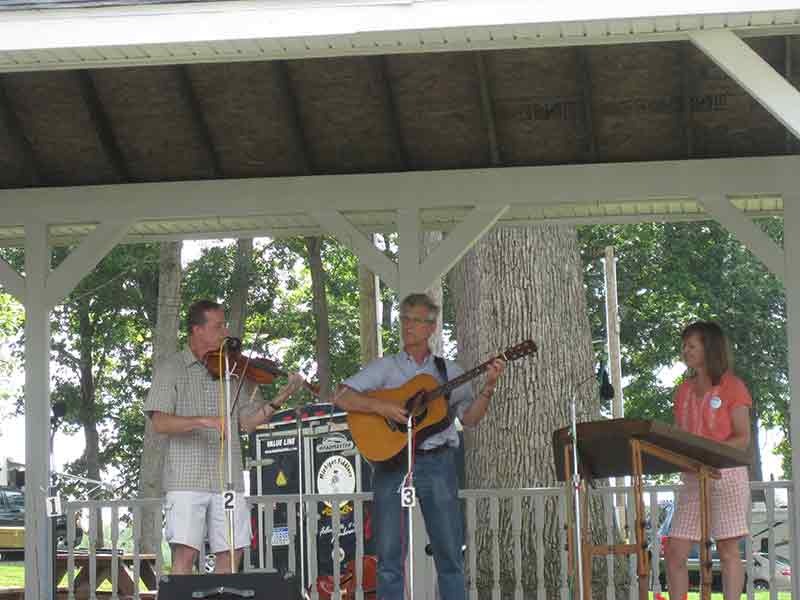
[[516, 533], [472, 521], [291, 524], [267, 514], [137, 558], [358, 516], [631, 531], [655, 543], [114, 557], [770, 496], [71, 556], [608, 517], [158, 549], [563, 504], [336, 559], [92, 552], [494, 521], [312, 527], [537, 526]]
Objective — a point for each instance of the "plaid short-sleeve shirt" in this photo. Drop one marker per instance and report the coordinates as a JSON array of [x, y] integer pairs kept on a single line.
[[182, 386]]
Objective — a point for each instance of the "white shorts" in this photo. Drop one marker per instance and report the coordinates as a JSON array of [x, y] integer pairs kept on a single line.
[[189, 515]]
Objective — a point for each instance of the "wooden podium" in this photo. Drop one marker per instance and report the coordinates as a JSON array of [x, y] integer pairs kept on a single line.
[[620, 447]]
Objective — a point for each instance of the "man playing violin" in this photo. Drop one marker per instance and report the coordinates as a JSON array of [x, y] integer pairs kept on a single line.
[[184, 403], [435, 477]]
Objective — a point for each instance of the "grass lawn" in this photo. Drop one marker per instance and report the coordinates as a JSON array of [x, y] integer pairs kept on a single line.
[[12, 575]]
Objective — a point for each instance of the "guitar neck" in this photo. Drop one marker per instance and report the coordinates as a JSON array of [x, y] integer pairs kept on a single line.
[[448, 387]]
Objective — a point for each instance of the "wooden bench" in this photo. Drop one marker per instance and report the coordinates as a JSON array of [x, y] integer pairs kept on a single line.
[[104, 565]]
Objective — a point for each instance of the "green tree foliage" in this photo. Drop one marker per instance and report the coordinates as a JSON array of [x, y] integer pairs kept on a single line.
[[670, 274]]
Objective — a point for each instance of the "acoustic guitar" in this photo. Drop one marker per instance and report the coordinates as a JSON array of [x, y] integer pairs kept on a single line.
[[380, 439]]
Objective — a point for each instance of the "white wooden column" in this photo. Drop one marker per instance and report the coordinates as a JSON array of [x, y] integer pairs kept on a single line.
[[38, 561], [43, 290], [791, 244], [753, 73]]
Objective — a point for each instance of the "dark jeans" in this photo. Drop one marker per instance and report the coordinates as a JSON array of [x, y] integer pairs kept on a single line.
[[436, 486]]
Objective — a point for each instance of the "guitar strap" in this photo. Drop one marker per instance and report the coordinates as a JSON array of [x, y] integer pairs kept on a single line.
[[441, 366]]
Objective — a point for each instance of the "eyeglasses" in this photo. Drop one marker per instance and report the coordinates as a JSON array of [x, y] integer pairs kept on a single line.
[[414, 320]]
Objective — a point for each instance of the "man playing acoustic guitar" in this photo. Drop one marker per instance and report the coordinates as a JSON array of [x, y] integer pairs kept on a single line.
[[434, 468]]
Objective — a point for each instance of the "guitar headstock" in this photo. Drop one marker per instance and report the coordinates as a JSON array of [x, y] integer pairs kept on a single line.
[[522, 349]]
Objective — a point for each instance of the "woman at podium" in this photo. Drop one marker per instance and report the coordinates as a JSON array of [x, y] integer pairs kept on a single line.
[[712, 402]]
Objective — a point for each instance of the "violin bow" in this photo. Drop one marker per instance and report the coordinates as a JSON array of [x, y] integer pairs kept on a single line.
[[244, 370]]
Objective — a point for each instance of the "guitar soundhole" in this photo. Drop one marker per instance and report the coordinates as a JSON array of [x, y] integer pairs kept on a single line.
[[401, 427]]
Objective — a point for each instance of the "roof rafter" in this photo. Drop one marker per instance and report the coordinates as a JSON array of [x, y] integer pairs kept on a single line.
[[189, 94], [284, 81], [487, 109], [686, 105], [585, 84], [102, 125], [381, 69], [14, 127]]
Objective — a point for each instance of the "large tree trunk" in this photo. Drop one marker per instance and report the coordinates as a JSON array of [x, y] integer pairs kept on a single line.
[[320, 306], [520, 283], [241, 287], [368, 302], [165, 342]]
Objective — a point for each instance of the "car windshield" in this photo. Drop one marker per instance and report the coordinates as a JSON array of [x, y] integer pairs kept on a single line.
[[16, 500]]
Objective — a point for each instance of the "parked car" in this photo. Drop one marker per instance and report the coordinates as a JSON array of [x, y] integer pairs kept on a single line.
[[761, 575], [12, 524]]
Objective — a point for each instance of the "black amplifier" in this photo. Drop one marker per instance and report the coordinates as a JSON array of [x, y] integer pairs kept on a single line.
[[237, 586]]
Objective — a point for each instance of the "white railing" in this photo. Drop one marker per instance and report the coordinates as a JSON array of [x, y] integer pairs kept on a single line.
[[516, 542]]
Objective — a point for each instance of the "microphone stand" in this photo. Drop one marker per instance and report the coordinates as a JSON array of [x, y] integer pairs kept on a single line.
[[228, 433], [576, 485], [300, 474]]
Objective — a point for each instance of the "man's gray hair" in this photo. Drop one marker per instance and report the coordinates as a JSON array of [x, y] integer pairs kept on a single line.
[[421, 300]]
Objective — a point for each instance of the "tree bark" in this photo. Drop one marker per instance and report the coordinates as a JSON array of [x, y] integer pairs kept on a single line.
[[165, 342], [322, 325], [240, 280], [368, 303], [515, 284]]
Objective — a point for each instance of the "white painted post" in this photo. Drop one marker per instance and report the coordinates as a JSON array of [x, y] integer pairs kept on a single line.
[[38, 562], [791, 247], [409, 251], [614, 360]]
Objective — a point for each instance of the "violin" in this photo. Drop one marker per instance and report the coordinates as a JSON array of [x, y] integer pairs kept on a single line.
[[347, 580], [258, 370]]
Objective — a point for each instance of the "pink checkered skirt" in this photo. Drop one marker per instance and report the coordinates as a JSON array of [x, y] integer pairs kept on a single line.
[[730, 502]]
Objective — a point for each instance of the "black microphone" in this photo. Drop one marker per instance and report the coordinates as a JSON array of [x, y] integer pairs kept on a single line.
[[233, 344]]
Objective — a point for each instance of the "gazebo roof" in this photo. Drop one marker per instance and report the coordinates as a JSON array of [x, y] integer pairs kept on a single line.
[[244, 91]]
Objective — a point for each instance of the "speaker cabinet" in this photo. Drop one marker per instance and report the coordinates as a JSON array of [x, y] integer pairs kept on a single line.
[[237, 586]]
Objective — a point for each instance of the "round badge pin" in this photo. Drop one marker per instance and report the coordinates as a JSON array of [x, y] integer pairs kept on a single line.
[[716, 402]]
